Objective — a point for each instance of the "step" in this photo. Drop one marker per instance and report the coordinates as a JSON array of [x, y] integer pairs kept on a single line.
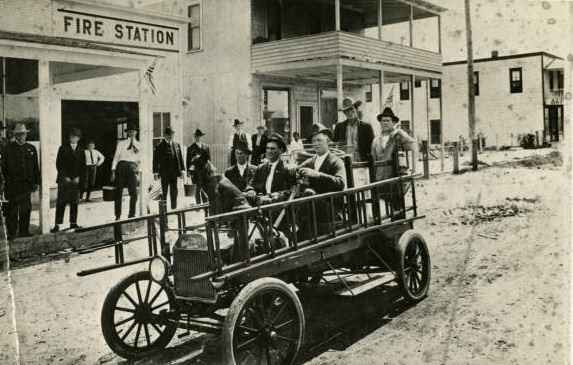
[[357, 288]]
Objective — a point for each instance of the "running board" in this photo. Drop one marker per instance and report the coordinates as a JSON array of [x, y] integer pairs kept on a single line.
[[356, 288]]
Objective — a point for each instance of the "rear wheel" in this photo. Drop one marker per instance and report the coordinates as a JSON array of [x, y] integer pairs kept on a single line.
[[131, 319], [264, 325], [414, 266]]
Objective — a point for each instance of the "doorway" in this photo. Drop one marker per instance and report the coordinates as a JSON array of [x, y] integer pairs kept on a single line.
[[307, 116], [554, 125], [102, 122]]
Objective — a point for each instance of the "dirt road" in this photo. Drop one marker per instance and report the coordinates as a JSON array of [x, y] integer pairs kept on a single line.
[[499, 240]]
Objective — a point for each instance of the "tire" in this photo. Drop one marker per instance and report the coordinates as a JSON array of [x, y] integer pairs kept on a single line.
[[271, 309], [414, 266], [139, 298]]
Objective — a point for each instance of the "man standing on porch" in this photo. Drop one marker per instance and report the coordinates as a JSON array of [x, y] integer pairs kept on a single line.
[[71, 164], [354, 131], [22, 177], [234, 139], [168, 165], [125, 170], [94, 159]]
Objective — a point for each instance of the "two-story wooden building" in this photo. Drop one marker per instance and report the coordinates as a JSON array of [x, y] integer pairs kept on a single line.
[[515, 95]]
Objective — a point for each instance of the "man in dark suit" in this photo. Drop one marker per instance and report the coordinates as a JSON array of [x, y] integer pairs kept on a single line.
[[71, 164], [325, 173], [272, 180], [194, 150], [242, 173], [354, 131], [22, 177], [259, 143], [168, 165]]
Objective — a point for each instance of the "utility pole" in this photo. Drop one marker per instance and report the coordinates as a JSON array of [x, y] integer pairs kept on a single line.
[[471, 91]]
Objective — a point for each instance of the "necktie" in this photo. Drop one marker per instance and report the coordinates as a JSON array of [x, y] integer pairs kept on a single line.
[[92, 157], [132, 146]]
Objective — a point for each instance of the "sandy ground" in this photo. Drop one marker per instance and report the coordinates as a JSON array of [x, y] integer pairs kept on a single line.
[[499, 291]]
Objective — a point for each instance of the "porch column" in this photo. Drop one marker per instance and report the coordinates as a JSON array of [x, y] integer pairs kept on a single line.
[[415, 151], [381, 90], [380, 19], [45, 129], [411, 22], [439, 34], [339, 86], [337, 15], [146, 138]]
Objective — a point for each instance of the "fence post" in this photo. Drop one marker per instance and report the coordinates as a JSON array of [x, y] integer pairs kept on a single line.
[[442, 168], [456, 159], [165, 249], [537, 139], [425, 159]]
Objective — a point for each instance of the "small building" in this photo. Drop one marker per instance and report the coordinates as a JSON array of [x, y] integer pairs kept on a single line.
[[515, 95]]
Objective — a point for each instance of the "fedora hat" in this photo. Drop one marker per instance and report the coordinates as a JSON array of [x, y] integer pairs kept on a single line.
[[237, 122], [20, 128], [275, 137], [198, 133], [261, 127], [131, 127], [75, 132], [387, 112], [169, 131], [327, 132], [348, 103], [242, 145]]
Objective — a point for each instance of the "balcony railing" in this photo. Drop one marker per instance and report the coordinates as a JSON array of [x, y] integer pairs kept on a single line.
[[554, 97], [275, 55]]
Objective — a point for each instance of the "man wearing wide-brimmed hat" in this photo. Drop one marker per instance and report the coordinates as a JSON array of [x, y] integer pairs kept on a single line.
[[385, 149], [193, 150], [71, 164], [259, 142], [242, 172], [168, 165], [125, 170], [354, 131], [234, 138], [272, 180], [22, 177]]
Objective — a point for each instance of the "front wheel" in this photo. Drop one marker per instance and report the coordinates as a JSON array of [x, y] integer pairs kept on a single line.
[[264, 325], [414, 266], [131, 319]]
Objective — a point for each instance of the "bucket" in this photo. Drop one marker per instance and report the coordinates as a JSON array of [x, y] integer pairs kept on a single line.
[[108, 193], [190, 189]]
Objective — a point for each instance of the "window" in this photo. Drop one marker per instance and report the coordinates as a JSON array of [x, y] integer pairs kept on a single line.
[[559, 80], [19, 102], [276, 111], [418, 83], [405, 125], [161, 120], [515, 82], [404, 90], [476, 83], [435, 91], [368, 95], [194, 28], [435, 131]]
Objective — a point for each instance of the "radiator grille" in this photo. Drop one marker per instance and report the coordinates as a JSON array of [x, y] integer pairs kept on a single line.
[[188, 262]]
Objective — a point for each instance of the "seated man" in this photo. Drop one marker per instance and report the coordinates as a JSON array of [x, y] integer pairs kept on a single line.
[[325, 173], [273, 180], [242, 172]]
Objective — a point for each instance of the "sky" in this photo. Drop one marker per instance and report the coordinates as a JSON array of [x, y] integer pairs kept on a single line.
[[509, 26]]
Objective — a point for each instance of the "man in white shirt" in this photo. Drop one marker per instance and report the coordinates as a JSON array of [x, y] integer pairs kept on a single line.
[[94, 159], [125, 170]]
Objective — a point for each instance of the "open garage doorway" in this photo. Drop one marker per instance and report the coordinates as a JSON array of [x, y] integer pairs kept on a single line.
[[101, 121]]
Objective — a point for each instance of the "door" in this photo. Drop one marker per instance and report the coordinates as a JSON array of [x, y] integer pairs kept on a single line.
[[436, 131], [329, 112], [555, 124], [307, 116]]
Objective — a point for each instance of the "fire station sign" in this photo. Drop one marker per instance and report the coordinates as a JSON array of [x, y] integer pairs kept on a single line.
[[116, 31]]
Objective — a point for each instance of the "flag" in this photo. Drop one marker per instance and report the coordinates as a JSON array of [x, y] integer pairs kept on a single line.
[[390, 99], [148, 75]]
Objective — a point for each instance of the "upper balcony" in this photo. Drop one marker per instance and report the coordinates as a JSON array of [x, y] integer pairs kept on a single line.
[[554, 82], [310, 38]]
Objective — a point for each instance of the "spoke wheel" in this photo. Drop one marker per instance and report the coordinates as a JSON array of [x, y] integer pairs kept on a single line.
[[264, 325], [131, 319], [414, 267]]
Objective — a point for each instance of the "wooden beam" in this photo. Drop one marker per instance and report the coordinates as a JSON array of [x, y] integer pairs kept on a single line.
[[339, 85], [439, 34], [381, 90], [411, 23], [415, 150], [46, 132], [337, 15], [380, 19]]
